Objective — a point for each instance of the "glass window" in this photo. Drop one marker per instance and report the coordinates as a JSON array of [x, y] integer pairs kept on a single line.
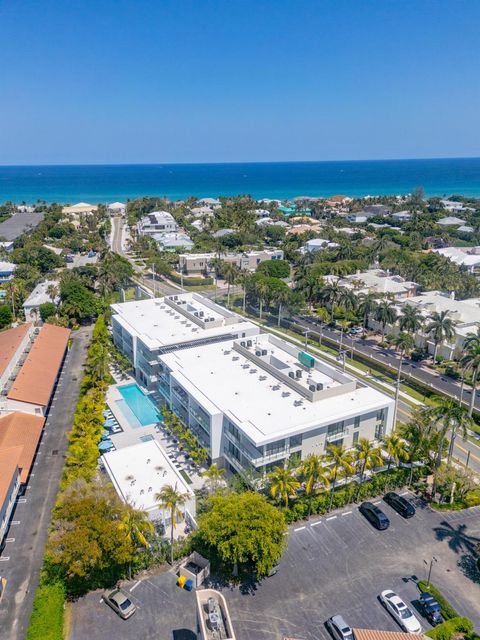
[[335, 443], [356, 423], [296, 441], [333, 429], [355, 437]]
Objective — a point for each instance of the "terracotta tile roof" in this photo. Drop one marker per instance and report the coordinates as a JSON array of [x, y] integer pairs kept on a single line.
[[21, 430], [10, 340], [36, 379], [372, 634], [8, 464]]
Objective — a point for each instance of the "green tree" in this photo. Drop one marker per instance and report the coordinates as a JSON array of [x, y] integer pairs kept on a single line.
[[230, 274], [243, 530], [316, 475], [410, 319], [135, 526], [6, 317], [385, 313], [47, 310], [214, 477], [330, 296], [367, 305], [172, 499], [283, 484], [470, 360], [439, 328], [340, 462], [368, 456], [274, 268], [395, 448]]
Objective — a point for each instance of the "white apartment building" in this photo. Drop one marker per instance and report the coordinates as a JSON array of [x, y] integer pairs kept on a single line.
[[256, 402], [377, 281], [145, 329], [252, 400], [157, 222], [201, 263]]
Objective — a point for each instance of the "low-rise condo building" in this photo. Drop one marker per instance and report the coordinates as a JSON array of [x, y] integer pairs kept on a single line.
[[202, 263], [7, 271], [14, 345], [157, 222], [254, 403], [145, 329], [377, 281]]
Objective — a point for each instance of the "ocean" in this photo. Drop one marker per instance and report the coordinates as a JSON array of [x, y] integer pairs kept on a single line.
[[283, 180]]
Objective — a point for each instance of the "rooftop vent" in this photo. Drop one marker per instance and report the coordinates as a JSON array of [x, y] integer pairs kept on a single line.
[[298, 373], [276, 387], [312, 387], [264, 352], [262, 378], [235, 358], [285, 394], [291, 374]]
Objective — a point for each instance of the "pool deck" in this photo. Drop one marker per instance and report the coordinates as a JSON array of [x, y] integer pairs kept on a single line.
[[135, 434]]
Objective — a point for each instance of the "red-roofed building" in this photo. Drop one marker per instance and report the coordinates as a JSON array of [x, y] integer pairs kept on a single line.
[[13, 343], [9, 485]]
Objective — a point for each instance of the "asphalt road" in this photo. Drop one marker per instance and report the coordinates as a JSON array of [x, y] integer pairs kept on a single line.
[[332, 565], [22, 558]]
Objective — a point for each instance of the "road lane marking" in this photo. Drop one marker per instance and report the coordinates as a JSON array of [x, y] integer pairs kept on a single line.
[[314, 524], [472, 455], [135, 586], [331, 518], [300, 529]]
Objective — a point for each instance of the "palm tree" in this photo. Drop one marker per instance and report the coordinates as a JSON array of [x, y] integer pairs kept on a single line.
[[214, 475], [261, 291], [283, 484], [217, 264], [410, 319], [315, 474], [368, 456], [347, 299], [172, 499], [309, 284], [385, 313], [344, 324], [381, 244], [404, 342], [440, 328], [340, 461], [330, 295], [450, 417], [243, 279], [135, 525], [471, 360], [367, 305], [420, 434], [323, 317], [230, 274], [282, 296], [395, 448], [52, 292]]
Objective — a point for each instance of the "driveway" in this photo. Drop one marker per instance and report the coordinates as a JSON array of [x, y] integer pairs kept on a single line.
[[337, 564], [22, 558]]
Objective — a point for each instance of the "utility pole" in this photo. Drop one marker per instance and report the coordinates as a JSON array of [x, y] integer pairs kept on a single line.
[[397, 393], [433, 559], [306, 332]]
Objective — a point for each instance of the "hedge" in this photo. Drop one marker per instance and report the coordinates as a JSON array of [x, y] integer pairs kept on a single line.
[[374, 486], [190, 282], [450, 628], [46, 622], [448, 612]]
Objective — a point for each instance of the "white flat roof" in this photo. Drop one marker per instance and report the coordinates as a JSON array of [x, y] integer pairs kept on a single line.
[[158, 324], [140, 471], [39, 295], [265, 408]]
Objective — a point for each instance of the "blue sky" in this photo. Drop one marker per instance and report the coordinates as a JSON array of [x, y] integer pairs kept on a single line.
[[115, 81]]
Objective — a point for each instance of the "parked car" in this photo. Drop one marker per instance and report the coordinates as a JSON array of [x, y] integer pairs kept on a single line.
[[400, 504], [338, 628], [431, 608], [374, 515], [399, 610], [119, 601]]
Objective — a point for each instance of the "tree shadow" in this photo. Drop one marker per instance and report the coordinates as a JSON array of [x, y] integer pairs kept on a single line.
[[184, 634], [458, 538], [468, 566]]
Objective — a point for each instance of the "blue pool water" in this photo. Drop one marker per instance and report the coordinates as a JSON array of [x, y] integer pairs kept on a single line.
[[140, 405]]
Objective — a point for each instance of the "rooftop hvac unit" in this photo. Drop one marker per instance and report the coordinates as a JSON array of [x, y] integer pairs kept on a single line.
[[175, 297], [202, 314], [245, 366], [262, 378], [212, 319], [312, 387], [264, 352], [258, 353], [297, 403], [253, 370], [195, 313], [235, 358], [249, 343], [291, 374], [276, 387], [211, 605], [242, 343], [298, 373], [285, 394], [319, 386]]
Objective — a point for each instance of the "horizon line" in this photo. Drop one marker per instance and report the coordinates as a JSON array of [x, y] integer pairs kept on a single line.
[[236, 162]]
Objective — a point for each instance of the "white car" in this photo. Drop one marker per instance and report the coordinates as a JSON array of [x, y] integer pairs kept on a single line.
[[399, 610]]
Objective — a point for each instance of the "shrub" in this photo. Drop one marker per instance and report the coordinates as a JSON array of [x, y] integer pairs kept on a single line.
[[190, 282], [46, 622], [451, 628], [274, 268]]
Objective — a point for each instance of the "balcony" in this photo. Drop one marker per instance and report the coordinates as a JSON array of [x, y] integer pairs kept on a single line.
[[182, 398], [339, 435]]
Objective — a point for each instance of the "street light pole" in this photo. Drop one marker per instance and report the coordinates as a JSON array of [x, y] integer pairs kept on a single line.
[[433, 559], [397, 393], [306, 332]]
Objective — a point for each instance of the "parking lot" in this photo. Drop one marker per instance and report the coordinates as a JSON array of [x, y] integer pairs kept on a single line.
[[335, 564]]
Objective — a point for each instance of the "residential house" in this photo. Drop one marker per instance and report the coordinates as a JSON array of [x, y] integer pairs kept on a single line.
[[117, 209], [40, 295], [7, 271]]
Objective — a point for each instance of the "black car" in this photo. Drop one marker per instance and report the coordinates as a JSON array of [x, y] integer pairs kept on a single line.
[[400, 504], [431, 608], [374, 515]]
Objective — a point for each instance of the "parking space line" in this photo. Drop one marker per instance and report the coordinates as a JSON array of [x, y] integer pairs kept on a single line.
[[21, 500], [135, 586], [346, 513], [378, 502], [314, 524], [15, 522], [10, 540], [405, 493], [4, 558], [300, 528], [331, 518]]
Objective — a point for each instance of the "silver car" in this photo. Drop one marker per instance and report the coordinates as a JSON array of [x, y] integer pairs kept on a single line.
[[119, 601], [339, 629]]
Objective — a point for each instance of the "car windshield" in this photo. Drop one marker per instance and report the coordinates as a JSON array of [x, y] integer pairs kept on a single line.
[[125, 604], [405, 613]]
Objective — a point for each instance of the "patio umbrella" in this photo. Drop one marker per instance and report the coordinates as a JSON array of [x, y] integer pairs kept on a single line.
[[110, 423], [105, 434], [105, 445], [106, 413]]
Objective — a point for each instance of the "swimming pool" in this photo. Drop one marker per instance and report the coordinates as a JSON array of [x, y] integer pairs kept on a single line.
[[139, 404]]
